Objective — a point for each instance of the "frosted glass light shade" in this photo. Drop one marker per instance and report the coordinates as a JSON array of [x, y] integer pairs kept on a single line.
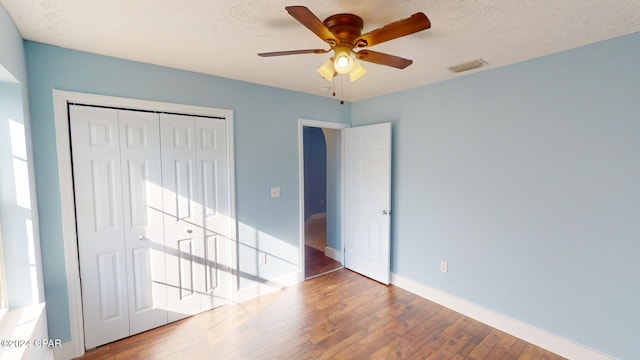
[[357, 72], [326, 70]]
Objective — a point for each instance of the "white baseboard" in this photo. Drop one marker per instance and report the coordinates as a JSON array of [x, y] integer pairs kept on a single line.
[[333, 253], [526, 332], [253, 291]]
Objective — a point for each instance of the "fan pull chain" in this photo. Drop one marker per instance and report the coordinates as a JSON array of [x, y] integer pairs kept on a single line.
[[333, 85], [342, 90]]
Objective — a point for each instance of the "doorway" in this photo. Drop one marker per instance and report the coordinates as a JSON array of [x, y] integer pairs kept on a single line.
[[320, 197], [318, 248], [358, 207]]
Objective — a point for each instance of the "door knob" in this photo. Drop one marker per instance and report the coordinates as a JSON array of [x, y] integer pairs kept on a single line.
[[386, 212], [188, 231], [141, 237]]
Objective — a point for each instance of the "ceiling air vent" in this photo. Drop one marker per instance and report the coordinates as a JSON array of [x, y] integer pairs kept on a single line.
[[474, 64]]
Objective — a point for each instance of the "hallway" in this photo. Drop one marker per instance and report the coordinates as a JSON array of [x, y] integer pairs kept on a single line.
[[316, 262]]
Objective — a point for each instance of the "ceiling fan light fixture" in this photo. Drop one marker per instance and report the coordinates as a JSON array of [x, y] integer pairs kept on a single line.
[[343, 33], [357, 72], [343, 62], [327, 70]]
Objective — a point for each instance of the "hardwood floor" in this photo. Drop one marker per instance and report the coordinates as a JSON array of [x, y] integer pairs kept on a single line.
[[316, 262], [341, 315], [315, 238]]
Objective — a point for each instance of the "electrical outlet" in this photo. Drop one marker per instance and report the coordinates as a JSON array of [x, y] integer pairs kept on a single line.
[[262, 258], [444, 266]]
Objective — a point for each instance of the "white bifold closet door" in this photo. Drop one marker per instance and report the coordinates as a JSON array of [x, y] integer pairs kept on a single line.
[[196, 209], [117, 173], [151, 207], [143, 220]]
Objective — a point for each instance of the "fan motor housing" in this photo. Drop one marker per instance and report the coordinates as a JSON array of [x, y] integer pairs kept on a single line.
[[346, 27]]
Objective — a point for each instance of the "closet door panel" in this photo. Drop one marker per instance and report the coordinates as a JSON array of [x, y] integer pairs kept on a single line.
[[182, 200], [98, 198], [211, 154], [143, 219]]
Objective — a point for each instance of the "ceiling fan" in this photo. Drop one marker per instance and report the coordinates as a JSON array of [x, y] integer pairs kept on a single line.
[[343, 33]]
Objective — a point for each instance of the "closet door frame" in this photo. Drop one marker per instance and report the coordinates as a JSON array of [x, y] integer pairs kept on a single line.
[[61, 99]]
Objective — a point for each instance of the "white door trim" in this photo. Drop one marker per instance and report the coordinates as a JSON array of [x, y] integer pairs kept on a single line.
[[75, 347], [319, 124]]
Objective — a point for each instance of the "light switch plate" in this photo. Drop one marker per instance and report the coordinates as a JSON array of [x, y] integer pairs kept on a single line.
[[275, 192]]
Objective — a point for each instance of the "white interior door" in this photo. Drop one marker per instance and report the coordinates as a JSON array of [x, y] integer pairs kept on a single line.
[[143, 219], [102, 254], [367, 195]]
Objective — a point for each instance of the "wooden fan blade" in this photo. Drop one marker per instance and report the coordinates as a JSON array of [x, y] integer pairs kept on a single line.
[[417, 22], [383, 59], [308, 19], [294, 52]]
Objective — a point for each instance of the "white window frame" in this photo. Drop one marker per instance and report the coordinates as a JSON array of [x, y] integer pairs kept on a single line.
[[4, 296]]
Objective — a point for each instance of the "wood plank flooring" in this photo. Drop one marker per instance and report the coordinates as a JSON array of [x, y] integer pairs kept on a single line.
[[341, 315], [316, 262], [315, 238]]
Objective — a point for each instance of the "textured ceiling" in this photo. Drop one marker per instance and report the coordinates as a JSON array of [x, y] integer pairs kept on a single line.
[[222, 38]]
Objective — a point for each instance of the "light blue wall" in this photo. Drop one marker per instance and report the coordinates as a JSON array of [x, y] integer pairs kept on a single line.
[[266, 149], [526, 179], [13, 215], [19, 220]]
